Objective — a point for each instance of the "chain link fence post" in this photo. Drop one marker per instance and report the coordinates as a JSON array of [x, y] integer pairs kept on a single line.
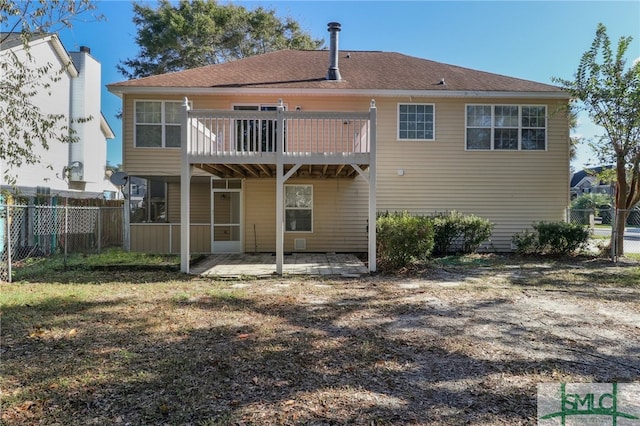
[[9, 245], [5, 243], [614, 236], [66, 232]]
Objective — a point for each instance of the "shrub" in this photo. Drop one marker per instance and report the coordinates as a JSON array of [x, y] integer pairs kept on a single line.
[[556, 238], [402, 238], [458, 233], [446, 231], [561, 237], [475, 230], [526, 242]]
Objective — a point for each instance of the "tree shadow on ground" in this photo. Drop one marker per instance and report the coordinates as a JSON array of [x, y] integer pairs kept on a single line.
[[591, 278], [111, 275], [381, 357]]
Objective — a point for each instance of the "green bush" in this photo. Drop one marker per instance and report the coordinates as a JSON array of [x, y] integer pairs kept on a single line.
[[446, 231], [402, 238], [561, 237], [459, 233], [526, 242], [556, 238]]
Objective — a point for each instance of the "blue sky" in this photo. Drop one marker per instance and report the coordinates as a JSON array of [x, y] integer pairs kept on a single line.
[[534, 40]]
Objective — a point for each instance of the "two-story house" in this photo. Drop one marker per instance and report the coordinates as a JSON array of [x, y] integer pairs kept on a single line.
[[298, 150], [74, 170], [586, 181]]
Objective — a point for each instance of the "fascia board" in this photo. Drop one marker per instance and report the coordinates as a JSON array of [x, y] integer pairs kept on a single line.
[[122, 90], [64, 55], [58, 48], [105, 128]]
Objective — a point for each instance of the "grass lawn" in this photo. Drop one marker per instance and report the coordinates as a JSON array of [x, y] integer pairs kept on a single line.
[[463, 340]]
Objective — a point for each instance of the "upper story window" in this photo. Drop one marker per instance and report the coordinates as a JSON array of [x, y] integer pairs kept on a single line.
[[416, 122], [506, 127], [158, 124]]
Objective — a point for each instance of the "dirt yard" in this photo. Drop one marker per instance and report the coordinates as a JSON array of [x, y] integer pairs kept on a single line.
[[457, 344]]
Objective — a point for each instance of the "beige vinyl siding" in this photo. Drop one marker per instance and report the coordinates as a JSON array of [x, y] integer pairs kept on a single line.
[[150, 238], [339, 216], [511, 188], [200, 240], [156, 161], [165, 238], [259, 215], [166, 161], [200, 202], [146, 161]]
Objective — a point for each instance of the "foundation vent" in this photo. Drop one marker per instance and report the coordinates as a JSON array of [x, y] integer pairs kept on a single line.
[[300, 243]]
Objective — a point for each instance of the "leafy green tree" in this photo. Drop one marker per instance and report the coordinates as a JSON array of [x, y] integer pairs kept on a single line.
[[610, 94], [24, 126], [590, 201], [174, 37], [574, 141]]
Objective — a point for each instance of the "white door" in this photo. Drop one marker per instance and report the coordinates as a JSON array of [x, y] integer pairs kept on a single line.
[[226, 215]]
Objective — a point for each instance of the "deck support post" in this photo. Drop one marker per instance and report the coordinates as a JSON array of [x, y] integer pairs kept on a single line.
[[372, 186], [186, 170], [280, 190]]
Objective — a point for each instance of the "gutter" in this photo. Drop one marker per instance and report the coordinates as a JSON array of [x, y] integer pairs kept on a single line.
[[378, 93]]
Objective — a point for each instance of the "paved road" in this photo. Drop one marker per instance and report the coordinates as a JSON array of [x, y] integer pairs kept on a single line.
[[631, 238]]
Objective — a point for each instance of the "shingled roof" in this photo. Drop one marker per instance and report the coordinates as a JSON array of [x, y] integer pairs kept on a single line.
[[360, 70]]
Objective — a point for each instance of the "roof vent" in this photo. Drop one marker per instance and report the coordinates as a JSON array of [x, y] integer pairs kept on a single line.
[[85, 49], [334, 72]]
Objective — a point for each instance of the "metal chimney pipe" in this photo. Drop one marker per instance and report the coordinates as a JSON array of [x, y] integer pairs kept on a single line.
[[334, 72]]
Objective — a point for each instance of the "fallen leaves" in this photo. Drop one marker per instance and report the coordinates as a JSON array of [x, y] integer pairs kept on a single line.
[[25, 406], [39, 332]]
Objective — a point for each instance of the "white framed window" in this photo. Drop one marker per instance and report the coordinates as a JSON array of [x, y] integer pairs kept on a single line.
[[534, 127], [157, 124], [416, 122], [298, 208], [506, 127], [148, 200]]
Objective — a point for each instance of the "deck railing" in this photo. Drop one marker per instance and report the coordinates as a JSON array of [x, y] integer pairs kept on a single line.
[[253, 133]]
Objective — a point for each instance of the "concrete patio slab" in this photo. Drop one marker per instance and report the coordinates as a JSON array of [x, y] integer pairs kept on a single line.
[[264, 264]]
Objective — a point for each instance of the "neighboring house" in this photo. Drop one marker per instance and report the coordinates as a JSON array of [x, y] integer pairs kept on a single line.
[[586, 182], [296, 151], [74, 170]]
